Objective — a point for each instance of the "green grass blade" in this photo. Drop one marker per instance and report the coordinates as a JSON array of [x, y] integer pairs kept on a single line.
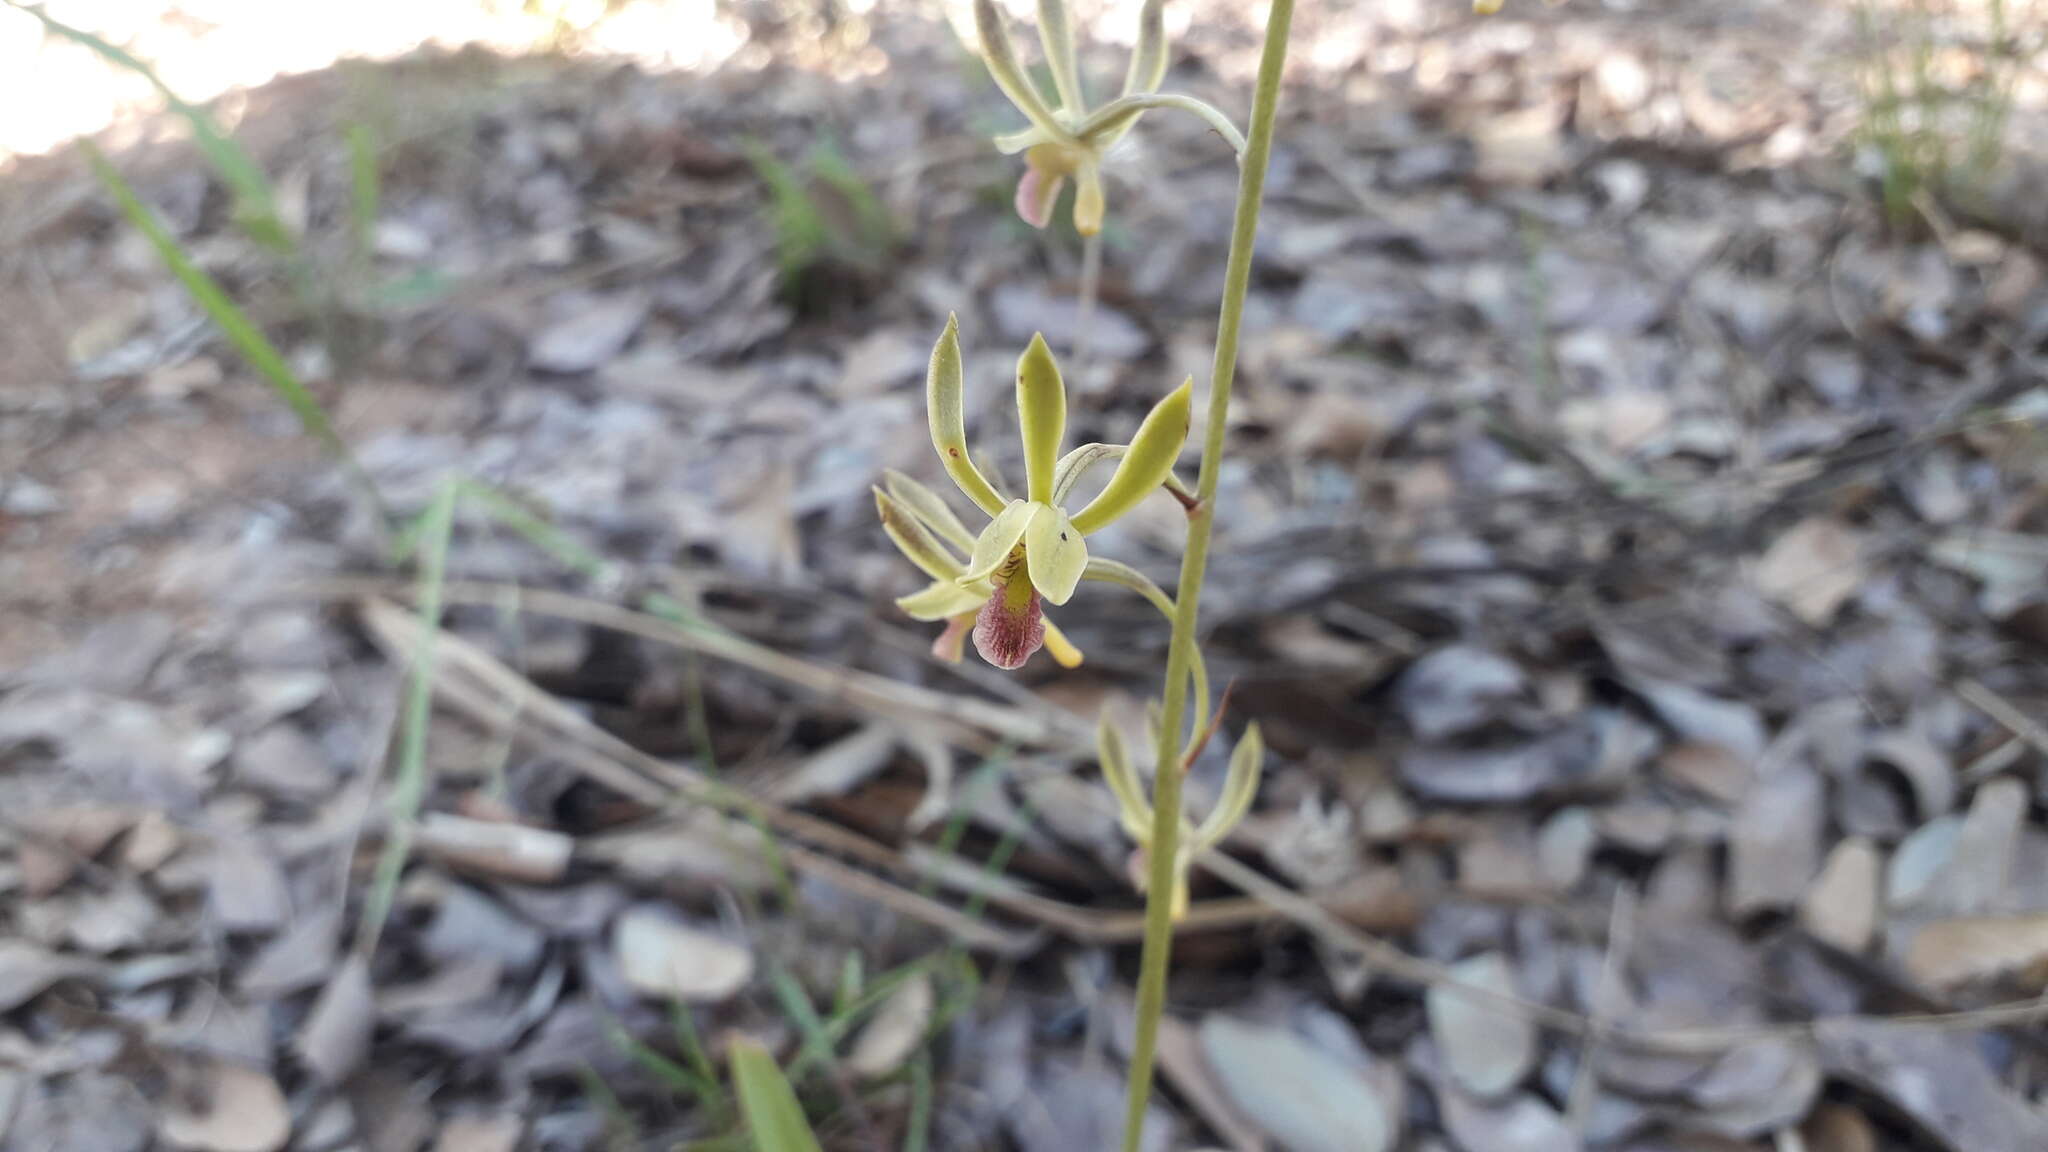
[[255, 204], [818, 1042], [248, 340], [774, 1118], [365, 190], [917, 1131], [410, 790]]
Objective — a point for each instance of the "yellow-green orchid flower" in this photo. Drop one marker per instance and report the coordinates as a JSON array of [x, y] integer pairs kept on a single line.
[[1486, 7], [1033, 550], [1067, 138], [1134, 811], [923, 528]]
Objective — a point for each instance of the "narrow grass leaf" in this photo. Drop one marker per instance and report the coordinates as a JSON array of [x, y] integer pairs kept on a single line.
[[774, 1118], [255, 205], [248, 341], [410, 790]]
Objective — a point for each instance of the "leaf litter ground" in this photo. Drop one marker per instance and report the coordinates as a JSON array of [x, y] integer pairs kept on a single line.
[[1632, 552]]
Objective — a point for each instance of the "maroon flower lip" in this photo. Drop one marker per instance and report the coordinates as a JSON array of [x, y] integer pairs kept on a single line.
[[1005, 634]]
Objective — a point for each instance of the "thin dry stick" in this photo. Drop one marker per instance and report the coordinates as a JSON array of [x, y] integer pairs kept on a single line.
[[1620, 936], [968, 722], [485, 689], [633, 773], [2005, 712]]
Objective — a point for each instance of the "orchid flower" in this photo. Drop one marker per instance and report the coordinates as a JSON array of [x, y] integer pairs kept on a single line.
[[1134, 811], [1067, 138], [1033, 551]]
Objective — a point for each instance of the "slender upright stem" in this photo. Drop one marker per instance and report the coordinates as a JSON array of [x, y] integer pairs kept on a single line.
[[1091, 293], [1166, 817]]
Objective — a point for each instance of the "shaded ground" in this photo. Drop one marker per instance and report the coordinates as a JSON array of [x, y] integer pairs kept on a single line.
[[1632, 551]]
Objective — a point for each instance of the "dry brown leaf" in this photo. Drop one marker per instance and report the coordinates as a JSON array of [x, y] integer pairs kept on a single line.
[[1711, 770], [1838, 1128], [1813, 569], [1937, 1079], [1523, 148], [495, 1133], [231, 1108], [496, 849], [1521, 1123], [246, 888], [1487, 1047], [1307, 1099], [336, 1035], [1842, 907], [895, 1031], [1948, 953], [704, 848], [1181, 1062], [1775, 844], [664, 960], [1986, 844], [26, 969]]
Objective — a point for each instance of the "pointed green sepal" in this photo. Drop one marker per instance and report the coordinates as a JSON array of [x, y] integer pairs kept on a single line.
[[914, 540], [1001, 57], [1056, 33], [1240, 786], [1041, 416], [1132, 809], [930, 511], [1148, 58], [1147, 462], [945, 408]]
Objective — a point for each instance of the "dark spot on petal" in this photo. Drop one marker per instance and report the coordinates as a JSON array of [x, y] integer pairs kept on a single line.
[[953, 452], [1063, 535]]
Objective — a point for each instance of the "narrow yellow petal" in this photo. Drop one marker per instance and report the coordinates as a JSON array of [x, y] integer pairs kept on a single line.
[[1088, 200], [944, 389], [942, 599], [930, 511], [1076, 464], [1001, 535], [1148, 59], [1055, 553], [914, 540], [1146, 463], [1064, 653], [1041, 416]]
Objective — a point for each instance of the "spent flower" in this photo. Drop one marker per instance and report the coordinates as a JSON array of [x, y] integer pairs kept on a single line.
[[1067, 138]]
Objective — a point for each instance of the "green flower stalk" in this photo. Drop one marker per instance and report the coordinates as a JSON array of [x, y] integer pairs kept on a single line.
[[1067, 138], [1033, 551], [1164, 861]]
